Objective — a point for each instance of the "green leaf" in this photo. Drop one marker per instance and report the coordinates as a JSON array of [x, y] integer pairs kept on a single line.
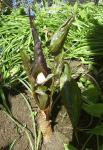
[[69, 147], [65, 76], [2, 95], [42, 99], [26, 61], [98, 130], [15, 70], [75, 7], [92, 94], [101, 147], [71, 96], [83, 14], [95, 110]]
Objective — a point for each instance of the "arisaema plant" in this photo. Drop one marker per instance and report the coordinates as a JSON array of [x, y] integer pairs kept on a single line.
[[45, 82]]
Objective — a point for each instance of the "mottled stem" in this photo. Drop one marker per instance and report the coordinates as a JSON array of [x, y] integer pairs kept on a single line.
[[39, 64]]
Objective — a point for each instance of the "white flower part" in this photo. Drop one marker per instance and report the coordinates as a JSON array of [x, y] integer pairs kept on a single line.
[[40, 78]]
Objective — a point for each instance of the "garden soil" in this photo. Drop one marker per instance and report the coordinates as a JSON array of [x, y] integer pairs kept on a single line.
[[10, 132]]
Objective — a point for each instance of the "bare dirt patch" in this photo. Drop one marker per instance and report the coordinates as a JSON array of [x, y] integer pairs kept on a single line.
[[9, 131]]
